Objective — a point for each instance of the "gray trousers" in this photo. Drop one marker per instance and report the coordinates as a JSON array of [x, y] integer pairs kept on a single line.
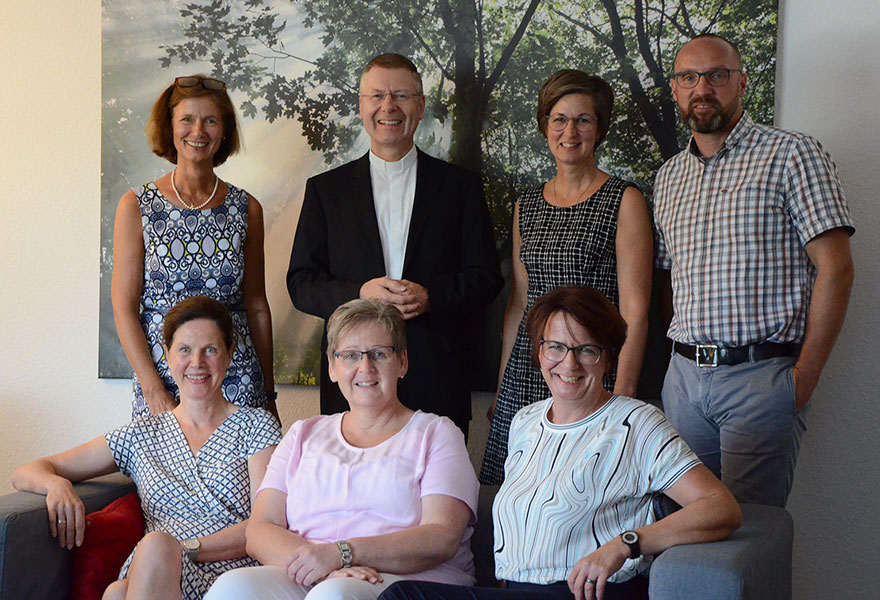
[[741, 421]]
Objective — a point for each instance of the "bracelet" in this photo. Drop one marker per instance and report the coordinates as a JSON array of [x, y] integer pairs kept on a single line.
[[345, 551]]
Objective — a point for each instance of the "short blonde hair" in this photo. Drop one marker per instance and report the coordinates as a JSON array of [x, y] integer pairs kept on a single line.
[[360, 312], [390, 60]]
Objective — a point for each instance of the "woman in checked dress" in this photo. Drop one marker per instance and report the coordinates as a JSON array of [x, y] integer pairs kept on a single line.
[[583, 227]]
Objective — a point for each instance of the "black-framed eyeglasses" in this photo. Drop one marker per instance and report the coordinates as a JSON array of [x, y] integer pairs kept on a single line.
[[558, 122], [208, 83], [396, 97], [378, 355], [714, 77], [586, 354]]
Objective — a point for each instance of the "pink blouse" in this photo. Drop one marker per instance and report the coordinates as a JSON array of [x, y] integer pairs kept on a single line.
[[337, 491]]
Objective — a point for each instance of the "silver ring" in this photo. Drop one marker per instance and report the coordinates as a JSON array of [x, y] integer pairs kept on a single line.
[[60, 522], [591, 581]]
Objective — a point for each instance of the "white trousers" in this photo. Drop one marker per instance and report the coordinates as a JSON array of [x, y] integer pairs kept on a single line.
[[271, 583]]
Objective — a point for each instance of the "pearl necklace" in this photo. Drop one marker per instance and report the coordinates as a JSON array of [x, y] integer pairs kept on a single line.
[[187, 204]]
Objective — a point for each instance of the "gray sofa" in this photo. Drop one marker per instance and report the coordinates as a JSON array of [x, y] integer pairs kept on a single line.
[[753, 564], [32, 565]]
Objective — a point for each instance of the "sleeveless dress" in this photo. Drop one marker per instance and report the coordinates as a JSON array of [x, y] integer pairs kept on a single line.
[[573, 245], [190, 253], [193, 496]]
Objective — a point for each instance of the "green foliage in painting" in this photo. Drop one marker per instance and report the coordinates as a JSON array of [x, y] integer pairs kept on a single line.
[[483, 62]]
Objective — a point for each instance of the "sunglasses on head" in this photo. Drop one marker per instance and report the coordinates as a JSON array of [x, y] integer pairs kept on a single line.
[[206, 82]]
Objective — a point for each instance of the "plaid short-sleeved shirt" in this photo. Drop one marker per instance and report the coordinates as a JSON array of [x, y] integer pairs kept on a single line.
[[732, 228]]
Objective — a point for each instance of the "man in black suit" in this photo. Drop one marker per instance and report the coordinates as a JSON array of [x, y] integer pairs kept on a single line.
[[408, 229]]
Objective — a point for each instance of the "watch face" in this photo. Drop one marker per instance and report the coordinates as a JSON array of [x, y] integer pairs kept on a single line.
[[191, 544], [630, 537]]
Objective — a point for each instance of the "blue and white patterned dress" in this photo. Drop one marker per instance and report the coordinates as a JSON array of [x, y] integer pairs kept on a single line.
[[193, 496], [189, 253]]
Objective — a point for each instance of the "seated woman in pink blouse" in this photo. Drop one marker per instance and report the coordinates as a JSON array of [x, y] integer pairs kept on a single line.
[[353, 502]]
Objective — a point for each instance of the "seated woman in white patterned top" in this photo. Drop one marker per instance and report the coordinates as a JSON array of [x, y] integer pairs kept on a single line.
[[573, 518], [195, 467]]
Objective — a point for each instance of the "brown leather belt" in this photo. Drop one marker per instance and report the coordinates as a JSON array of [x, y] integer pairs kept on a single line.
[[708, 355]]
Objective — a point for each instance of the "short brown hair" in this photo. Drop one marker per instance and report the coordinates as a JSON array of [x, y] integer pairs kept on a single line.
[[571, 81], [589, 308], [390, 60], [359, 312], [160, 129], [198, 307]]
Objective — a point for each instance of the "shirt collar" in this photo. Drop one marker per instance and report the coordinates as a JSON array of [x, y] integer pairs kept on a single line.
[[383, 166]]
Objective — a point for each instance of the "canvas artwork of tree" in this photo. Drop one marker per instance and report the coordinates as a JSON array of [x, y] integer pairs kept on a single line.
[[293, 68]]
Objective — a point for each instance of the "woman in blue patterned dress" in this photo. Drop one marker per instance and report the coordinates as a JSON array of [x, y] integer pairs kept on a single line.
[[195, 467], [583, 227], [190, 233]]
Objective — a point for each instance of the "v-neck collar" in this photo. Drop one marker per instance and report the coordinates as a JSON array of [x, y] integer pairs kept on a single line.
[[179, 431]]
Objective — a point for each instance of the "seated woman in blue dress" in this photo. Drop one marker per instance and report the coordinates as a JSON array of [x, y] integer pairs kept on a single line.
[[195, 467], [573, 518]]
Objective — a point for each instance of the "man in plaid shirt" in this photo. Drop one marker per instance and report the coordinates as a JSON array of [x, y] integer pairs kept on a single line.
[[752, 222]]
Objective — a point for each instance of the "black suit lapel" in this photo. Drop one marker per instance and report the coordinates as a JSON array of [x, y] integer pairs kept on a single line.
[[361, 193], [428, 181]]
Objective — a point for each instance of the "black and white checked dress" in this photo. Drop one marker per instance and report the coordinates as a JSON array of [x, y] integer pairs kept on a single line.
[[573, 245], [193, 496]]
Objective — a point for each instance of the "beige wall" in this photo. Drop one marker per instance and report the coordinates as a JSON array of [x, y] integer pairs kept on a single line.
[[50, 397]]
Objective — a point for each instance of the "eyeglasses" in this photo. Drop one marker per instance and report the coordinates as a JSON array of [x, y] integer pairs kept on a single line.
[[586, 354], [560, 122], [396, 97], [379, 355], [714, 77], [206, 82]]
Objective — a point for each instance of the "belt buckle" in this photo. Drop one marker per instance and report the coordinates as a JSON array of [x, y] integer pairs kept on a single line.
[[707, 355]]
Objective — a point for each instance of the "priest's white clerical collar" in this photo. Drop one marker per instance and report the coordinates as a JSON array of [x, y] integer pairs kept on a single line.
[[407, 162]]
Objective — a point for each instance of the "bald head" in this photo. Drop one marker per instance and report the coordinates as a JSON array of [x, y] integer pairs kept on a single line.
[[711, 44]]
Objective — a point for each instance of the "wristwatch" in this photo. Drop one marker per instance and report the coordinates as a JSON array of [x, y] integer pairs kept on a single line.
[[345, 551], [631, 539], [191, 545]]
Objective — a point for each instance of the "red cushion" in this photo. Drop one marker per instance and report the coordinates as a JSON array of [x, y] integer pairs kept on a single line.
[[111, 535]]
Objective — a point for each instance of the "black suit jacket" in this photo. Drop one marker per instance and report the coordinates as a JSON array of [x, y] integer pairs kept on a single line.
[[450, 250]]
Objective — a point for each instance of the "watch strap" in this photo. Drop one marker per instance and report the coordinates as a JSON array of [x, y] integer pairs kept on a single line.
[[631, 539], [192, 546], [345, 551]]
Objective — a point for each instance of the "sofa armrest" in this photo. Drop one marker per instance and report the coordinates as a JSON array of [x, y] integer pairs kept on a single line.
[[754, 563], [32, 565]]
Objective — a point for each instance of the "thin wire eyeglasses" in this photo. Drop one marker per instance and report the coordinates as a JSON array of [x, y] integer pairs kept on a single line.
[[206, 82], [586, 354], [396, 97], [378, 355], [559, 122], [714, 77]]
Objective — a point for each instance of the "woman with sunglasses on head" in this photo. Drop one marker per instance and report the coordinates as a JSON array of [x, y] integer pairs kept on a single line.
[[354, 501], [190, 233], [582, 227], [574, 518], [196, 468]]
